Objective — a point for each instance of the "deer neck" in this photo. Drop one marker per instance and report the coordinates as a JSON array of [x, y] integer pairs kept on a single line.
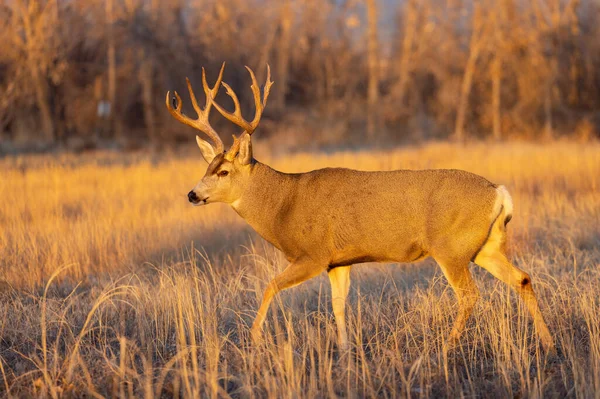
[[266, 192]]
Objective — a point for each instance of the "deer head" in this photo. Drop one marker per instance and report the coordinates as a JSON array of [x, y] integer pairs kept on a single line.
[[228, 172]]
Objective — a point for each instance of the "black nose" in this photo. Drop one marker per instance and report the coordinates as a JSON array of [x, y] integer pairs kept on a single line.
[[192, 197]]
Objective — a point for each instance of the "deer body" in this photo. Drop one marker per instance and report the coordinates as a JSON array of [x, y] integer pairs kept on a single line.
[[329, 219], [339, 217]]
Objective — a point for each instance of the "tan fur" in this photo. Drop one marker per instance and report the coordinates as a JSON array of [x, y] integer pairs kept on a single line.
[[329, 219]]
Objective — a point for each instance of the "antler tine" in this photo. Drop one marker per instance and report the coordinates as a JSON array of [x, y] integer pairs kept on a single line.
[[268, 84], [236, 115], [260, 105], [202, 122], [256, 92], [211, 93], [193, 96]]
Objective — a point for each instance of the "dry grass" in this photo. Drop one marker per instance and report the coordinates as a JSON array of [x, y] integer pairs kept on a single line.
[[114, 286]]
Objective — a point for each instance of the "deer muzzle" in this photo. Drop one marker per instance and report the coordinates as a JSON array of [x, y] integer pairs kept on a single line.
[[194, 199]]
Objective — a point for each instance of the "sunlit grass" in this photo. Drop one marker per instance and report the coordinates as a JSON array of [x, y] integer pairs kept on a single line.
[[154, 297]]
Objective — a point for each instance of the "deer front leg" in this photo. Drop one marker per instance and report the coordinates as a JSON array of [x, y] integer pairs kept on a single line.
[[340, 285], [296, 273]]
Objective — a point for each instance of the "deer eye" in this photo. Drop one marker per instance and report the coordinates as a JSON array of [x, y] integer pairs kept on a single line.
[[223, 173]]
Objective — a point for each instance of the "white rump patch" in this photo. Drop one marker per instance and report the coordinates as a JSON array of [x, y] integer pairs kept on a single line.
[[503, 199]]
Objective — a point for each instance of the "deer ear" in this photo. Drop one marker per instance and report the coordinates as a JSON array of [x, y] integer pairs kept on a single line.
[[207, 150], [245, 153]]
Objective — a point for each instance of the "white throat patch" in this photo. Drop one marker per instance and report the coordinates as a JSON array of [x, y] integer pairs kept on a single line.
[[235, 204]]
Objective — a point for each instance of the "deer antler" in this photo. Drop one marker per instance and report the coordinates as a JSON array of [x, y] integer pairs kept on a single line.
[[202, 122], [236, 115]]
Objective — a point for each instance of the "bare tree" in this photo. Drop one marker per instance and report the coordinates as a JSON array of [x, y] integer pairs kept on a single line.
[[497, 43], [35, 19], [283, 54], [111, 59], [373, 62], [410, 20], [497, 68], [475, 46]]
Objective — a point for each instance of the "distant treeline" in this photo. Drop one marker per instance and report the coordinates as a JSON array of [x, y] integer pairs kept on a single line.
[[91, 72]]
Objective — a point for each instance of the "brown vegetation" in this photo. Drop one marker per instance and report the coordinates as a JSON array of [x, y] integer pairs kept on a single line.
[[501, 69], [154, 297]]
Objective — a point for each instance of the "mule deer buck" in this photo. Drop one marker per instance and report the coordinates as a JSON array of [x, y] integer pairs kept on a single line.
[[330, 219]]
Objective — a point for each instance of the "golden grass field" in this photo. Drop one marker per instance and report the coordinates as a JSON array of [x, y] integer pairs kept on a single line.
[[113, 285]]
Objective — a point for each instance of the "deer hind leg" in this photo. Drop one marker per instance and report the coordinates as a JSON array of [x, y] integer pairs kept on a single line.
[[492, 259], [458, 275], [339, 277], [294, 274]]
